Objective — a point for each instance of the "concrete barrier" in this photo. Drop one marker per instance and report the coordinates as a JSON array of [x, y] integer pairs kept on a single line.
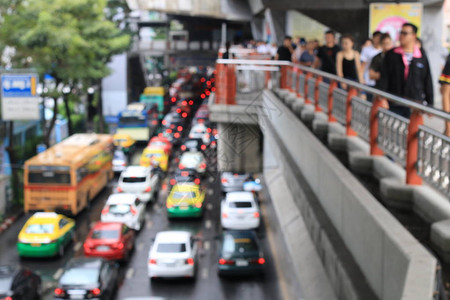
[[394, 264]]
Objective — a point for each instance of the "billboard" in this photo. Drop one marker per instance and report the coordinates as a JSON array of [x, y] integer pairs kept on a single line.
[[389, 17], [19, 97]]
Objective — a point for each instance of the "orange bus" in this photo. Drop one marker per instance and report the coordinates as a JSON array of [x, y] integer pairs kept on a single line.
[[67, 176]]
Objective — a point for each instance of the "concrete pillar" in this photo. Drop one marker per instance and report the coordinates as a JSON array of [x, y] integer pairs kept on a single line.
[[257, 26], [431, 35], [239, 148], [277, 24]]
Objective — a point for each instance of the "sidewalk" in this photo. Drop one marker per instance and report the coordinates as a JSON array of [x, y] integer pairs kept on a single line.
[[10, 218]]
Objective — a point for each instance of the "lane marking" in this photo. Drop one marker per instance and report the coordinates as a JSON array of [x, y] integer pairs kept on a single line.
[[209, 206], [77, 247], [58, 274], [208, 224], [206, 245], [130, 273], [140, 246], [210, 192], [205, 273], [211, 179]]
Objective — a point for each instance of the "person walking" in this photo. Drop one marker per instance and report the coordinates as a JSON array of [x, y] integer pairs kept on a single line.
[[406, 72], [284, 52], [377, 62], [444, 80], [348, 64], [326, 55], [367, 54]]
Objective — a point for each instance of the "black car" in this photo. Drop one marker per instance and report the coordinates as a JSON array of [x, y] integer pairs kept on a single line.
[[88, 278], [17, 283], [240, 253], [195, 145], [185, 176], [173, 121]]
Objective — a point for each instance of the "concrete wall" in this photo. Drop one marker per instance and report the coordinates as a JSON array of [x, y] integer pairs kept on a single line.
[[394, 264]]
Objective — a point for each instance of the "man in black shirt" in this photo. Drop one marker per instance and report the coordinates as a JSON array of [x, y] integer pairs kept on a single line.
[[377, 62], [326, 55], [285, 51]]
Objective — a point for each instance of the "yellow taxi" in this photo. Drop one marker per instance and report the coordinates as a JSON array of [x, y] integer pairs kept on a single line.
[[185, 200], [45, 234], [124, 141], [155, 154]]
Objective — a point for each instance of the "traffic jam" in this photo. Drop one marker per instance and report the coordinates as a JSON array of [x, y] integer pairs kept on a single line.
[[126, 216]]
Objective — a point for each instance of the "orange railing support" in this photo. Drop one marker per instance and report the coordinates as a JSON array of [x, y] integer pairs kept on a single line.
[[333, 85], [412, 148], [283, 77], [231, 83], [305, 96], [373, 135], [299, 72], [316, 94], [348, 109], [226, 84]]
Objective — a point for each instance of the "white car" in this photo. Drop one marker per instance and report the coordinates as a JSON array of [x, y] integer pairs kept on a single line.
[[119, 161], [200, 131], [124, 208], [173, 254], [239, 210], [233, 182], [140, 181], [194, 161]]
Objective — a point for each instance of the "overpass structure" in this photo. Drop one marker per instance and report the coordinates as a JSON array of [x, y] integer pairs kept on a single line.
[[288, 121]]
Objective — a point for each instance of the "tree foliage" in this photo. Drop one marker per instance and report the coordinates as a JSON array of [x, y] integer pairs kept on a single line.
[[72, 40]]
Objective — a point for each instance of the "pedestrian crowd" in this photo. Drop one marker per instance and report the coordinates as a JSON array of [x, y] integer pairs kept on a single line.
[[402, 70]]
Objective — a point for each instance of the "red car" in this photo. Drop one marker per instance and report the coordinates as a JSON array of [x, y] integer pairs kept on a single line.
[[112, 240], [161, 142]]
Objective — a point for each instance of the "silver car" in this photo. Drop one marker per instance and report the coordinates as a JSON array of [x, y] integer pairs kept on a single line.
[[233, 182], [119, 161]]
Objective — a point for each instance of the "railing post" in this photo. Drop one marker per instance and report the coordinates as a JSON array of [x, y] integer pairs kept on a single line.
[[299, 72], [412, 148], [316, 94], [266, 84], [348, 112], [333, 85], [283, 77], [305, 93], [373, 135], [289, 78], [231, 86]]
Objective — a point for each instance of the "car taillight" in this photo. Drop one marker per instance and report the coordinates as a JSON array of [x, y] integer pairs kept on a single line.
[[8, 298], [148, 189], [184, 103], [197, 181], [184, 115], [133, 211], [173, 99], [124, 164], [180, 128], [191, 102], [261, 261], [224, 215], [224, 261], [118, 246], [184, 173], [105, 210], [169, 130], [198, 205], [59, 292], [256, 214], [169, 205], [203, 147], [178, 110], [202, 165], [172, 181], [96, 291], [164, 122], [152, 261], [207, 93], [209, 130], [190, 261], [181, 166], [224, 180], [154, 122], [119, 189], [213, 89], [203, 96], [176, 135]]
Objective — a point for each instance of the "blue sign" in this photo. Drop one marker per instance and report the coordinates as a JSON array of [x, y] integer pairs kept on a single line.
[[18, 85]]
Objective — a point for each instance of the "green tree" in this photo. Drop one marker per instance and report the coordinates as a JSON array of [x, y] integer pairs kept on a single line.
[[70, 40]]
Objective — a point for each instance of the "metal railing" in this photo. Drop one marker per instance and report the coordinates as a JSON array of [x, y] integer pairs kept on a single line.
[[392, 134], [385, 131], [361, 117], [433, 161]]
